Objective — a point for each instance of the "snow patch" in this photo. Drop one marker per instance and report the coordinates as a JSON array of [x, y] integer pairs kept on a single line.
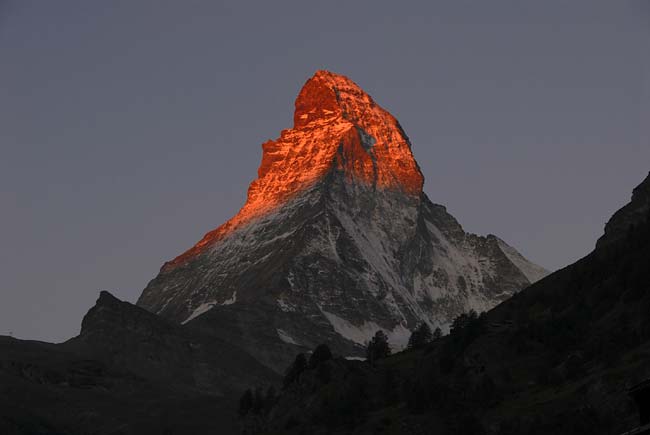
[[207, 306], [231, 300], [397, 337], [203, 308], [285, 306], [284, 336]]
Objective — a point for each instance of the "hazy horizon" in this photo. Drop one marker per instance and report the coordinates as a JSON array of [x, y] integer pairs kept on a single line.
[[131, 129]]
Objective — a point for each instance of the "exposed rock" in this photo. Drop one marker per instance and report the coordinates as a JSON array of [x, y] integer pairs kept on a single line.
[[335, 241]]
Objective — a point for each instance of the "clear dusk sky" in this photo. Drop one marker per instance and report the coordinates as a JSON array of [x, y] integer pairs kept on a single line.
[[130, 128]]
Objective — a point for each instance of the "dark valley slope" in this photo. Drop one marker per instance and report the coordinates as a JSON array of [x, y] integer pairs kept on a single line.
[[128, 372], [557, 358]]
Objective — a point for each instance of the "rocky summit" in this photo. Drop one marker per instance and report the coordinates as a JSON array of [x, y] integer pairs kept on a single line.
[[336, 240]]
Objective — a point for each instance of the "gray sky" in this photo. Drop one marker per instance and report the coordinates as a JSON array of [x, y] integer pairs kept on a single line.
[[128, 129]]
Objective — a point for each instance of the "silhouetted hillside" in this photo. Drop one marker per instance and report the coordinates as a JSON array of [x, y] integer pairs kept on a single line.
[[556, 358], [128, 372]]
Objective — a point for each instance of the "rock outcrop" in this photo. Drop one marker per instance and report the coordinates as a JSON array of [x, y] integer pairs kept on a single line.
[[636, 212]]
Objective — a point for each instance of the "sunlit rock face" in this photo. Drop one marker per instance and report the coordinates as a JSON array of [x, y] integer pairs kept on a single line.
[[337, 128], [335, 241]]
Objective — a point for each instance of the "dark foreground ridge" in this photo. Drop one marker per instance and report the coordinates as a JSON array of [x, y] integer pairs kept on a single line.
[[128, 372], [560, 357], [557, 358]]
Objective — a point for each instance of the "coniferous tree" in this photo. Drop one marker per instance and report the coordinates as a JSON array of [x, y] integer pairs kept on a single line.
[[295, 370], [466, 328], [321, 354], [258, 401], [437, 334], [246, 402], [420, 337], [269, 399], [463, 321], [378, 347], [324, 373]]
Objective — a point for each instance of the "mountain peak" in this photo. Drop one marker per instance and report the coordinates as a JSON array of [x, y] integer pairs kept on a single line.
[[328, 96], [338, 129], [336, 241], [109, 313], [318, 99]]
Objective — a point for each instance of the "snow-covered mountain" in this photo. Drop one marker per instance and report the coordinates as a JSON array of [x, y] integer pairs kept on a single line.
[[335, 241]]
